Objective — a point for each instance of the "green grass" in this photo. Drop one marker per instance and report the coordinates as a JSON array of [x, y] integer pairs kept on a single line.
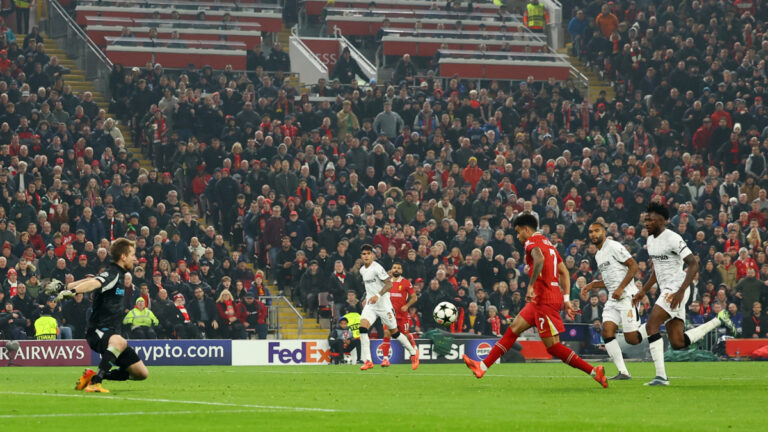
[[512, 397]]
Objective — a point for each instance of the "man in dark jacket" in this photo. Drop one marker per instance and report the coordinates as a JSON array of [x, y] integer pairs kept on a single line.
[[176, 249], [257, 315], [227, 190], [278, 59], [342, 340], [22, 213], [346, 68], [94, 229], [313, 282], [75, 311], [203, 312]]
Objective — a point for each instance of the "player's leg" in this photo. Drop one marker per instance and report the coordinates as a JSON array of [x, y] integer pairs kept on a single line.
[[613, 348], [656, 345], [385, 345], [695, 334], [550, 325], [613, 314], [366, 319], [634, 330], [520, 324], [387, 318], [110, 346], [404, 325]]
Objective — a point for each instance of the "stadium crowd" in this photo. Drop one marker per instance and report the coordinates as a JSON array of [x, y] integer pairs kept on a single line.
[[432, 174]]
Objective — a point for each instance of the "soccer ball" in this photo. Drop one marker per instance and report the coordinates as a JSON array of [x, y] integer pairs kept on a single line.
[[445, 313]]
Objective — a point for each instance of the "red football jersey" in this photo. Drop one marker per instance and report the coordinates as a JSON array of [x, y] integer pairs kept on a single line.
[[398, 295], [547, 287]]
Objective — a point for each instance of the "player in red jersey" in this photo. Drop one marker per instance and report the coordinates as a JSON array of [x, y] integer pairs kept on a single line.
[[544, 301], [402, 297]]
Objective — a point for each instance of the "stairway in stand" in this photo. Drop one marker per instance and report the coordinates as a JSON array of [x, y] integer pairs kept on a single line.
[[77, 80], [596, 81]]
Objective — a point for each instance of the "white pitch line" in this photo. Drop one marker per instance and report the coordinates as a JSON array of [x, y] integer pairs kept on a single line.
[[491, 375], [133, 413], [186, 402]]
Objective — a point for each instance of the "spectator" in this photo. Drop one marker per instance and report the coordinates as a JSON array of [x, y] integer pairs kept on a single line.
[[342, 341], [141, 321], [202, 311], [232, 316], [756, 324], [257, 315]]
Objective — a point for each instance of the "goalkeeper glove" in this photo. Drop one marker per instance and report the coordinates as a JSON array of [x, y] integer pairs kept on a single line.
[[55, 286], [63, 295]]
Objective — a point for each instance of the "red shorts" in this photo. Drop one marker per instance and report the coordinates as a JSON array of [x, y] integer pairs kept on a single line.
[[546, 318], [403, 323]]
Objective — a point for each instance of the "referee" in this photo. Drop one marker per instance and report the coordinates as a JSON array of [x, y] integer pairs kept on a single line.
[[107, 315]]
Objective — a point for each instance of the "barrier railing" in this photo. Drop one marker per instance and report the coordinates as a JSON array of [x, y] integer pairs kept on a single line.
[[275, 326], [187, 5], [72, 39], [171, 24]]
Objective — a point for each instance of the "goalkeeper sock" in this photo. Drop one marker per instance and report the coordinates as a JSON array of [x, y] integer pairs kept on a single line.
[[385, 347], [108, 359], [501, 348], [117, 375], [569, 357]]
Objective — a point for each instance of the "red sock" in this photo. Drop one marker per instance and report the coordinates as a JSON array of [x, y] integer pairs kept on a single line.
[[410, 339], [569, 357], [385, 347], [501, 347]]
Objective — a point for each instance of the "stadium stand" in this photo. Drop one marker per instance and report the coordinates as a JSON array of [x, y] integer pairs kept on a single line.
[[430, 162]]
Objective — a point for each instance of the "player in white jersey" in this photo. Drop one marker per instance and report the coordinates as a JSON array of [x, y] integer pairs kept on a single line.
[[378, 306], [668, 253], [618, 269]]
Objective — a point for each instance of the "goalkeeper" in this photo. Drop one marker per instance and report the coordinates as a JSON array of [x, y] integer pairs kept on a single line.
[[108, 312]]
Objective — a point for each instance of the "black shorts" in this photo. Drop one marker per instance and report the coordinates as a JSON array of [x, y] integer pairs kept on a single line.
[[98, 339]]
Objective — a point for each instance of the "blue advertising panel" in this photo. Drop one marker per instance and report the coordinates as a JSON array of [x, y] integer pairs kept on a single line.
[[181, 352]]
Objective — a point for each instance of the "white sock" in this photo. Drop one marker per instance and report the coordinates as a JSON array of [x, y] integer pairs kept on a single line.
[[365, 347], [406, 344], [483, 366], [643, 332], [614, 350], [697, 333], [657, 353]]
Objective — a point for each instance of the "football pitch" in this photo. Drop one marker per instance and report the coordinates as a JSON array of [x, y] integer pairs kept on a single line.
[[513, 397]]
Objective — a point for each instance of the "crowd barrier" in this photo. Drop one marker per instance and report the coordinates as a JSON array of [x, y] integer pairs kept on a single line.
[[273, 352], [227, 352]]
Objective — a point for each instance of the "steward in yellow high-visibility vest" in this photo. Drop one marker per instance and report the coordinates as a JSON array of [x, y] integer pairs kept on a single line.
[[46, 328], [22, 16], [353, 319], [141, 321], [535, 16]]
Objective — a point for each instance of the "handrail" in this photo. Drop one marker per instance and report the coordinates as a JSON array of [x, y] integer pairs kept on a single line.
[[312, 57], [192, 5], [476, 33], [418, 12], [78, 31], [299, 316], [171, 24], [132, 41]]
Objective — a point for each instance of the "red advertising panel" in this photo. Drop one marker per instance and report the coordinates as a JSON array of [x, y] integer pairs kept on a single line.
[[47, 353], [326, 49]]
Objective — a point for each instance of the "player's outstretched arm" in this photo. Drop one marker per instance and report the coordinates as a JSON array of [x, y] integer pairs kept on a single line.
[[82, 286]]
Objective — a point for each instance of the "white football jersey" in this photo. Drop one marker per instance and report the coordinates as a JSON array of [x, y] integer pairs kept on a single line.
[[610, 261], [374, 277], [667, 252]]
